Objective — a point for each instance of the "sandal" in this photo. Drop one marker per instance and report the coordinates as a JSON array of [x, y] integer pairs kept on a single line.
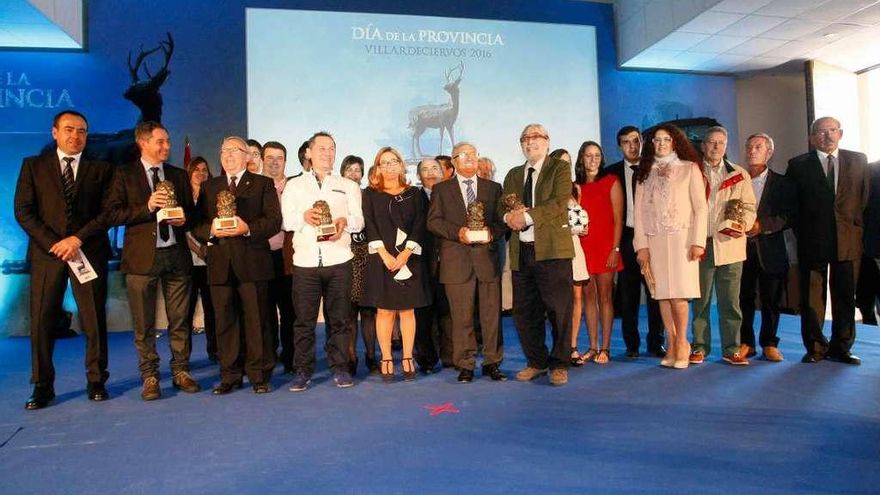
[[576, 357], [589, 356], [411, 374], [603, 357], [388, 376]]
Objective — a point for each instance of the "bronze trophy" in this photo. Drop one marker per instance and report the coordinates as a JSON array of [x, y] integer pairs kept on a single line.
[[225, 211], [476, 233], [171, 210], [512, 202], [734, 217], [326, 228]]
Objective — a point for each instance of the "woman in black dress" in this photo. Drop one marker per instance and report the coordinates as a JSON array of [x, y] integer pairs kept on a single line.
[[394, 214]]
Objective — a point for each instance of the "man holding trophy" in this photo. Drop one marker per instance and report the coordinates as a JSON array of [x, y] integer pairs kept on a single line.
[[731, 215], [152, 199], [463, 215]]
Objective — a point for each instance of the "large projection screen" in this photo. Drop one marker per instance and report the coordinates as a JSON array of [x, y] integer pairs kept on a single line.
[[376, 80]]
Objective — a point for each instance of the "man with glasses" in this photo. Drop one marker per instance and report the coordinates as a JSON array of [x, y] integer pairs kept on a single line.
[[255, 156], [833, 187], [540, 256], [321, 266], [240, 267], [469, 269]]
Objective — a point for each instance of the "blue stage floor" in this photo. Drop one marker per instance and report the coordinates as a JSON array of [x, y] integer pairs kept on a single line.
[[628, 427]]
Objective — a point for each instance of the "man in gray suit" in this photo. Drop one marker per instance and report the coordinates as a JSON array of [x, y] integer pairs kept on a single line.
[[469, 268], [832, 186]]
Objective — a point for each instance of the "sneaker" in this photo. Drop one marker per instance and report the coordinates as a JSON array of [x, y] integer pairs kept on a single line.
[[528, 374], [736, 359], [151, 389], [747, 350], [772, 354], [301, 382], [343, 379], [558, 376], [696, 357]]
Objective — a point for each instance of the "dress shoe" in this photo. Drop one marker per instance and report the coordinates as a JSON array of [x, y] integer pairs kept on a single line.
[[427, 370], [466, 376], [657, 351], [40, 398], [151, 390], [558, 376], [184, 381], [226, 387], [494, 373], [844, 357], [772, 354], [262, 388], [528, 373], [747, 351], [97, 392], [812, 357], [696, 357], [632, 353]]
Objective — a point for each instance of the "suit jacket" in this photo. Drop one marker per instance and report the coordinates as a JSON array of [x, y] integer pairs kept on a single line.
[[431, 247], [829, 226], [736, 184], [448, 214], [247, 257], [550, 213], [774, 215], [618, 170], [127, 205], [872, 214], [40, 207]]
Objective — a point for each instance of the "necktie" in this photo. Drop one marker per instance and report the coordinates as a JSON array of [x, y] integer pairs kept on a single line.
[[164, 233], [829, 173], [471, 195], [232, 187], [68, 182], [632, 184], [527, 193]]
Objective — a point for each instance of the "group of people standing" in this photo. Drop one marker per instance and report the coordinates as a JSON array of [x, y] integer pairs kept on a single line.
[[266, 252]]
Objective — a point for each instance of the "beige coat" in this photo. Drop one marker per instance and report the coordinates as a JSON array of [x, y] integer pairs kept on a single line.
[[737, 184]]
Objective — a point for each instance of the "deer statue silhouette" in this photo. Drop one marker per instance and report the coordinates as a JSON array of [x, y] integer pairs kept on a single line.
[[441, 117], [145, 93]]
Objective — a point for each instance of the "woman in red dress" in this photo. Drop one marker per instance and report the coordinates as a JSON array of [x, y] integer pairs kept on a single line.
[[602, 197]]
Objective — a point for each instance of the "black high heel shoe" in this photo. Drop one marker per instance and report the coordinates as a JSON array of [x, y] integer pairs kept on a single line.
[[388, 370], [408, 375]]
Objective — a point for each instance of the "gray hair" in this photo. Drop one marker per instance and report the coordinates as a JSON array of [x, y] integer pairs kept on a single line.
[[241, 141], [815, 123], [766, 138], [539, 127], [459, 145], [716, 128]]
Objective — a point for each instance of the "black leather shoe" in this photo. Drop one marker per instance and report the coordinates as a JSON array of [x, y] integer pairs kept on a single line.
[[632, 353], [40, 398], [495, 373], [226, 387], [659, 352], [97, 392], [812, 357], [466, 376], [844, 357], [262, 388]]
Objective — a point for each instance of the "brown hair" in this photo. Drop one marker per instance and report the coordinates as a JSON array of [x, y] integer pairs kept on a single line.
[[680, 145]]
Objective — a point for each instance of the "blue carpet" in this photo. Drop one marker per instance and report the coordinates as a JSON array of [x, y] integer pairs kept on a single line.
[[628, 427]]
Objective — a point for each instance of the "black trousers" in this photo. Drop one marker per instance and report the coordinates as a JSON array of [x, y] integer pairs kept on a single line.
[[48, 283], [243, 307], [434, 331], [628, 297], [840, 277], [767, 288], [333, 283], [281, 302], [868, 289], [200, 288], [543, 288]]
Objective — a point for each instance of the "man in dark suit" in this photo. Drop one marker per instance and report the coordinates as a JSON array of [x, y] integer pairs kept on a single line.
[[832, 188], [240, 267], [868, 289], [541, 250], [469, 268], [154, 254], [766, 265], [630, 281], [58, 203]]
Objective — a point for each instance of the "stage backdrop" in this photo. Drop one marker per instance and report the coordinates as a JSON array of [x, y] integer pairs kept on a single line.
[[406, 81]]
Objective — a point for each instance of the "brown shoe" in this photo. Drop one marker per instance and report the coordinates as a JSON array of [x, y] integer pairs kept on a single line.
[[736, 359], [558, 376], [696, 357], [748, 351], [184, 381], [772, 354], [151, 389], [528, 374]]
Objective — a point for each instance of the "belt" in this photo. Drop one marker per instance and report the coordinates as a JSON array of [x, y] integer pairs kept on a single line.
[[527, 243]]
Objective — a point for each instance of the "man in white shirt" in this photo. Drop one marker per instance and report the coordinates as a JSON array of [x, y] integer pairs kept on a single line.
[[321, 266]]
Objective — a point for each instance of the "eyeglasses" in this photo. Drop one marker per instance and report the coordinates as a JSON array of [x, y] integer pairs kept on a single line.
[[532, 137], [467, 156], [827, 132], [658, 140], [226, 151], [393, 163]]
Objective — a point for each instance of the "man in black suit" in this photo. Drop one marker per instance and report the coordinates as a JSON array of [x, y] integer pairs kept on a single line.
[[469, 269], [766, 265], [868, 289], [154, 254], [240, 267], [630, 281], [58, 203], [832, 188]]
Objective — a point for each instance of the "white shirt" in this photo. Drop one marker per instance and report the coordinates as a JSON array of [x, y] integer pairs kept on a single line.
[[148, 170], [73, 165], [237, 177], [344, 198], [823, 160], [529, 235], [463, 187], [628, 174], [758, 185]]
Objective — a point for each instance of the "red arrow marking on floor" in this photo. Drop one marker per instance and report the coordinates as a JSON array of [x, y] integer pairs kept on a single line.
[[442, 408]]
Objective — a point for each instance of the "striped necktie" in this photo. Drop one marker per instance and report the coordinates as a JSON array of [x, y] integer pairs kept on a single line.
[[68, 180], [471, 195]]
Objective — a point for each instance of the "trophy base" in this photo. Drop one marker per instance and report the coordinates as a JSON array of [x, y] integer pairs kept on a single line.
[[172, 213], [326, 231], [477, 236], [729, 227], [225, 223]]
